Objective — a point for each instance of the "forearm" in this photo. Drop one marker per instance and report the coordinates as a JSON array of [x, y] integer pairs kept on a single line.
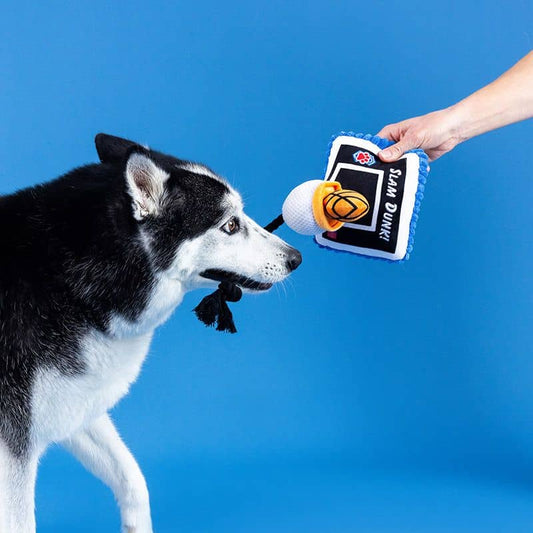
[[504, 101]]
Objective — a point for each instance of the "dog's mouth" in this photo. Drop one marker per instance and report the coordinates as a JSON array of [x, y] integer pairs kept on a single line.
[[242, 281]]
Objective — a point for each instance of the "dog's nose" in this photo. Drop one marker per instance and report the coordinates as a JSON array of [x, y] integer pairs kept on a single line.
[[294, 259]]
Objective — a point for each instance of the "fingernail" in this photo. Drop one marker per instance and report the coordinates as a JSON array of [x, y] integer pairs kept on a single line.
[[385, 153]]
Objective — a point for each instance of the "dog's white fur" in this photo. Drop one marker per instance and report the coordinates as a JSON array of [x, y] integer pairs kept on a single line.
[[73, 410]]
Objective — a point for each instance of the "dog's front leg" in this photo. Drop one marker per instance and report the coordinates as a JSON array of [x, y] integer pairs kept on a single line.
[[101, 450], [17, 491]]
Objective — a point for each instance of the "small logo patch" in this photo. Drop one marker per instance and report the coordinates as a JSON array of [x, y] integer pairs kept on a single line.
[[364, 158], [346, 205]]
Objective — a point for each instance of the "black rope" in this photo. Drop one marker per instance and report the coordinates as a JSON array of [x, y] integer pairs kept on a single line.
[[275, 224], [213, 310]]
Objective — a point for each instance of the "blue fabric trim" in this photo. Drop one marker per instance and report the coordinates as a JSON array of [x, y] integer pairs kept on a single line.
[[423, 171]]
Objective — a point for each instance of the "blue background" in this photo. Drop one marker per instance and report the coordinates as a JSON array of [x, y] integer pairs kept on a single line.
[[410, 410]]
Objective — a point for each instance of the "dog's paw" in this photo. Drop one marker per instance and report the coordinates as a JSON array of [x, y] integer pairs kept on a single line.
[[137, 522], [137, 529]]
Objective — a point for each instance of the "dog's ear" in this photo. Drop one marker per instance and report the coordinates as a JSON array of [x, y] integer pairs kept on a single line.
[[145, 182], [112, 149]]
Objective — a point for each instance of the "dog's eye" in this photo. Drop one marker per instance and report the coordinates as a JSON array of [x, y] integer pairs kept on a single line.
[[231, 226]]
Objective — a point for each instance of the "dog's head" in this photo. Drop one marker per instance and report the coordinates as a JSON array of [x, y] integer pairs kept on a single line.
[[192, 222]]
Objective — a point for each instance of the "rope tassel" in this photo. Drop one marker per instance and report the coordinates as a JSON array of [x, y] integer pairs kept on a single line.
[[213, 309]]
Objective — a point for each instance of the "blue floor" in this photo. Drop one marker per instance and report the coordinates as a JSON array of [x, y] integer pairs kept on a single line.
[[297, 496]]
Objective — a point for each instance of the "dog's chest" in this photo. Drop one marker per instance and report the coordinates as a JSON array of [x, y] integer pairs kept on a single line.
[[62, 404], [112, 361]]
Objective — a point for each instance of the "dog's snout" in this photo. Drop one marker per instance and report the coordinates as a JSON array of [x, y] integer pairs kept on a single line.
[[294, 259]]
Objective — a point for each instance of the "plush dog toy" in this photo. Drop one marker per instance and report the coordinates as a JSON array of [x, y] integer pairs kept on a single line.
[[363, 205]]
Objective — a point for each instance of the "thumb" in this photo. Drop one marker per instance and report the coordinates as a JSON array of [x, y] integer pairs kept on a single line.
[[394, 152]]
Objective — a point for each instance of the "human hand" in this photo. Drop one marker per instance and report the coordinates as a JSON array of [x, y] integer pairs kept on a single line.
[[436, 133]]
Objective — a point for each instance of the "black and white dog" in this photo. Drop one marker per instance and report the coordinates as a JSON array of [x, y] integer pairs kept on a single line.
[[90, 264]]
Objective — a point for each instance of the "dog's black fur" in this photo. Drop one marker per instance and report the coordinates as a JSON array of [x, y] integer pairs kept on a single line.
[[71, 257]]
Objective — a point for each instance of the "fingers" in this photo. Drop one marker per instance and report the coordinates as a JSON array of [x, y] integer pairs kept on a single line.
[[394, 132], [394, 152], [390, 132]]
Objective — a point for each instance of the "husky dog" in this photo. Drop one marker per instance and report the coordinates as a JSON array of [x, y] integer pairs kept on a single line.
[[90, 264]]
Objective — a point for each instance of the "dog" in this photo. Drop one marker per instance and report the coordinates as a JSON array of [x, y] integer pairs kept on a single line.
[[90, 264]]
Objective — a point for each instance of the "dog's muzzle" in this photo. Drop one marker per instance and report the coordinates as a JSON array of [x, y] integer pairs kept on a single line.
[[213, 309]]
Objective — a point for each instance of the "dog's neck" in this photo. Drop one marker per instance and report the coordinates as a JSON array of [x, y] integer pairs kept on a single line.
[[166, 295]]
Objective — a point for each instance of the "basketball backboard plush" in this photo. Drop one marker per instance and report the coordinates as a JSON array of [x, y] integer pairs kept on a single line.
[[392, 192]]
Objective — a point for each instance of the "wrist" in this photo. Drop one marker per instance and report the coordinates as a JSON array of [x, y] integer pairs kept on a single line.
[[457, 122]]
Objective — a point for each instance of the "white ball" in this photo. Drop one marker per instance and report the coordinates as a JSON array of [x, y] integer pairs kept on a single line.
[[297, 209]]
